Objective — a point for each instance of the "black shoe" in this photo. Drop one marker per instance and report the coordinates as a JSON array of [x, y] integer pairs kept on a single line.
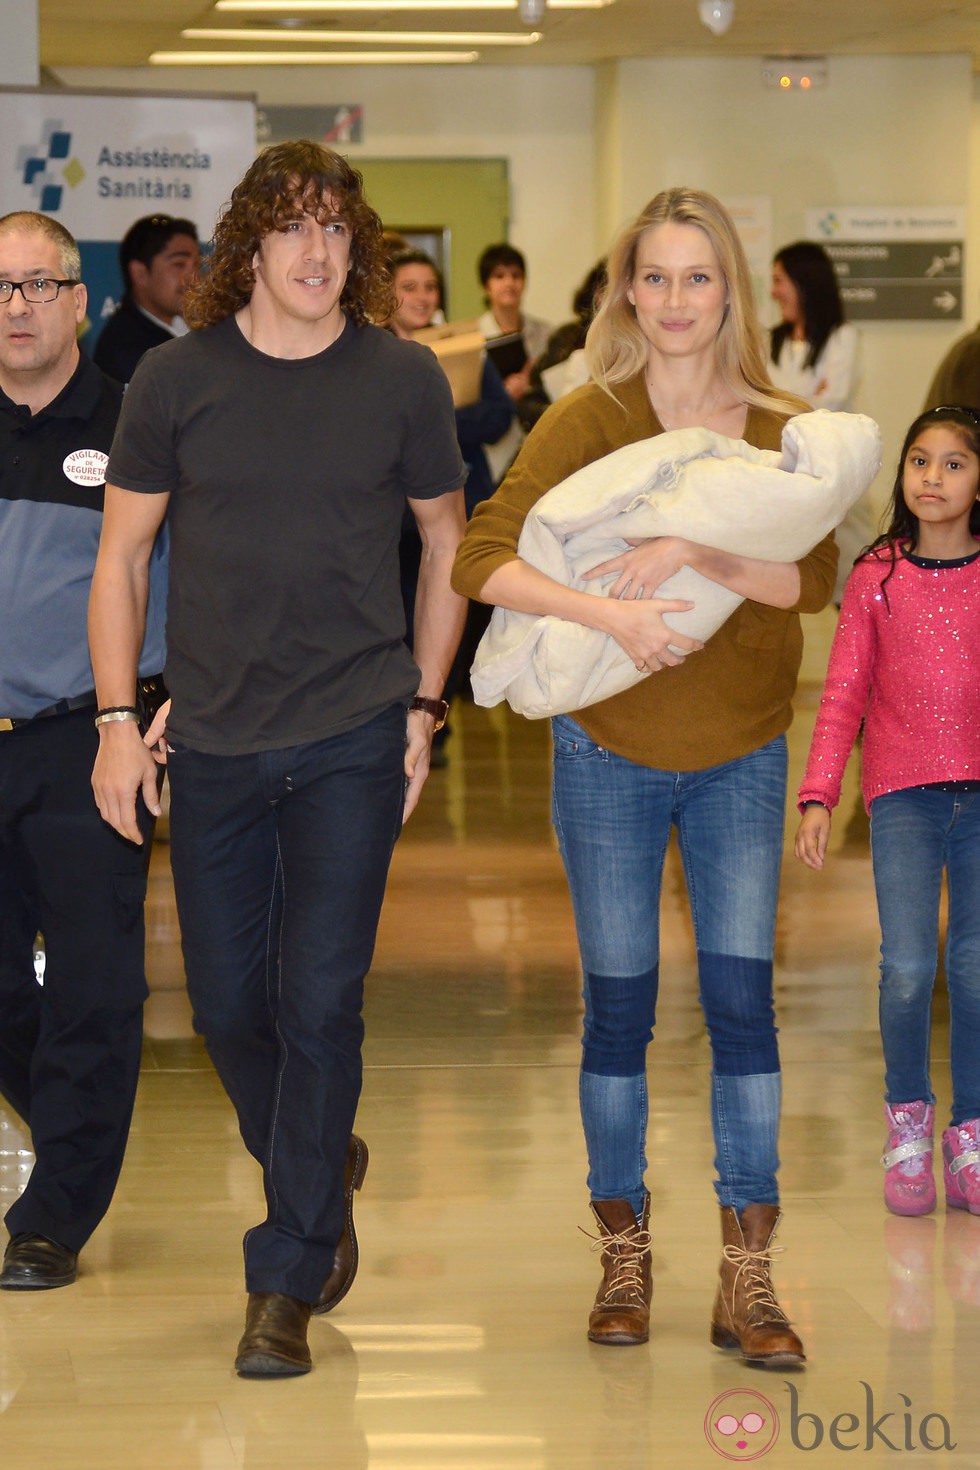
[[273, 1344], [341, 1278], [34, 1263]]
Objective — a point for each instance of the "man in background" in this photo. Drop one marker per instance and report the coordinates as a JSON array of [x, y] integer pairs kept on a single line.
[[159, 257], [70, 1050]]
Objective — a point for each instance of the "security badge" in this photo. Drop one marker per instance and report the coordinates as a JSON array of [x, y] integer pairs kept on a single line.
[[86, 467]]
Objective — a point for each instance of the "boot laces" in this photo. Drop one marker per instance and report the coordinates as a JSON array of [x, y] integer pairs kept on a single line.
[[753, 1269], [626, 1253]]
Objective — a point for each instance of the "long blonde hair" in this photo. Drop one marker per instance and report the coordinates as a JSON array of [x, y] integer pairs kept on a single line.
[[616, 348]]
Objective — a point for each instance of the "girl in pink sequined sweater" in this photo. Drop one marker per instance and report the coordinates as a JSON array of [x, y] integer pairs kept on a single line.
[[906, 661]]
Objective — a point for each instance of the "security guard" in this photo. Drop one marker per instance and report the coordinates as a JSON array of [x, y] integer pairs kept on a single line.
[[70, 1050]]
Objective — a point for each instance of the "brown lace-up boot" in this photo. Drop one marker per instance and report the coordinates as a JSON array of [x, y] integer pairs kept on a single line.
[[747, 1315], [621, 1315]]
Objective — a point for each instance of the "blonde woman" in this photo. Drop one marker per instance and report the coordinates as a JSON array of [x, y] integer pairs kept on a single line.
[[700, 747]]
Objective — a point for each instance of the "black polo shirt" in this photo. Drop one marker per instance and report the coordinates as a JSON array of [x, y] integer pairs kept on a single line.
[[52, 485]]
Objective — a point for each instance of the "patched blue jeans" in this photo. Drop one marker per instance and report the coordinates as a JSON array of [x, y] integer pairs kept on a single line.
[[613, 820], [915, 834]]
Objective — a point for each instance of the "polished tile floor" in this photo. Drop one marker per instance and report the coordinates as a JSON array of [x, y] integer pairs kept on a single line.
[[462, 1345]]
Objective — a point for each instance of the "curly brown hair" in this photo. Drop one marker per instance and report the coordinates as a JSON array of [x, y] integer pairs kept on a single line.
[[287, 180]]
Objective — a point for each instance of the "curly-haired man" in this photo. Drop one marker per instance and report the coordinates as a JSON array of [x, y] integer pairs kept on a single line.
[[282, 437]]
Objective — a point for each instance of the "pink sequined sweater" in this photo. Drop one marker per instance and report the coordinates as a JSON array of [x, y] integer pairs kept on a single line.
[[910, 668]]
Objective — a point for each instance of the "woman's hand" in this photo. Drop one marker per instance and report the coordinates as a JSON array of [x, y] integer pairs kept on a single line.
[[644, 568], [638, 626], [812, 836]]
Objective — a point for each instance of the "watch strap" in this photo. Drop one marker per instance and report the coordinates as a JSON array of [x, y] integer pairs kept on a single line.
[[437, 708]]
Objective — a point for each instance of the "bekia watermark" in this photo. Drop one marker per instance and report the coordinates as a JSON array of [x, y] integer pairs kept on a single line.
[[742, 1425], [898, 1429]]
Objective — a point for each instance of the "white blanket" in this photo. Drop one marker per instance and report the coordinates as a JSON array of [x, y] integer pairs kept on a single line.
[[718, 492]]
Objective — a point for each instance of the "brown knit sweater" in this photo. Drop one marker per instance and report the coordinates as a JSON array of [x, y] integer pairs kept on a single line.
[[722, 702]]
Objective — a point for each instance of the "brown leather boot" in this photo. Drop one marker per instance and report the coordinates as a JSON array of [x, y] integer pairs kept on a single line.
[[273, 1344], [747, 1315], [341, 1278], [621, 1315]]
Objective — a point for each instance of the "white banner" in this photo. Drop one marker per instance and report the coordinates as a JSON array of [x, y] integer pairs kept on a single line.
[[752, 215], [886, 222], [98, 161]]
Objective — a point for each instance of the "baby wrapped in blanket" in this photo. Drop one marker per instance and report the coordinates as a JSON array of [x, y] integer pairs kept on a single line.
[[693, 483]]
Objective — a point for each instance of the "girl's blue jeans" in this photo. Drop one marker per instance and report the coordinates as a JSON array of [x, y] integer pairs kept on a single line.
[[915, 834], [613, 819]]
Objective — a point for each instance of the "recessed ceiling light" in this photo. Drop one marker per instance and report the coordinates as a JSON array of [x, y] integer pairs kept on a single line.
[[401, 38], [311, 58], [268, 6]]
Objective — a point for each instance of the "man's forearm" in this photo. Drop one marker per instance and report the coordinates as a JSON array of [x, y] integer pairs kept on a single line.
[[440, 614], [116, 623]]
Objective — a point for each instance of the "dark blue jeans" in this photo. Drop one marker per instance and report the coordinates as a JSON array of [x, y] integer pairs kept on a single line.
[[280, 862], [613, 819], [70, 1052]]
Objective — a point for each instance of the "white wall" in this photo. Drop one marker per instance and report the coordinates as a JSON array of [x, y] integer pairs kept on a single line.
[[885, 130], [539, 118], [588, 146], [19, 43]]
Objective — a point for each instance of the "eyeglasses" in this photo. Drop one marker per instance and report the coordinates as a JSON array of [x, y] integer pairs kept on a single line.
[[36, 291]]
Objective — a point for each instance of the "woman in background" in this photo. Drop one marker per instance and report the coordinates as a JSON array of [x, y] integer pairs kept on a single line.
[[418, 302], [814, 350], [815, 356], [418, 293]]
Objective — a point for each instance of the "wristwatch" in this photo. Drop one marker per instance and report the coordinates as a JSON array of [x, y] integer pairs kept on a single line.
[[437, 708]]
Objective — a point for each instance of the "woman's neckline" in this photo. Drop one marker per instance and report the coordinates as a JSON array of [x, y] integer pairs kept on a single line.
[[671, 427]]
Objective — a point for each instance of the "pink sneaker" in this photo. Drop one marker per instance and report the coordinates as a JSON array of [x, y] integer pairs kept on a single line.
[[909, 1186], [961, 1166]]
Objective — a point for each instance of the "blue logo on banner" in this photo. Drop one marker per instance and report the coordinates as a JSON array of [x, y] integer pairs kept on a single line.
[[39, 172]]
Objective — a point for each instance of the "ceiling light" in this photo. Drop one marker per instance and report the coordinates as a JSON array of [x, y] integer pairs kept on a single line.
[[268, 6], [532, 11], [794, 73], [402, 38], [311, 58], [717, 15]]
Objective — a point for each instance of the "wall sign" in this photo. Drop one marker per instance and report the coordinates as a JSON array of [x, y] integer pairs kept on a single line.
[[334, 126], [901, 264], [98, 161]]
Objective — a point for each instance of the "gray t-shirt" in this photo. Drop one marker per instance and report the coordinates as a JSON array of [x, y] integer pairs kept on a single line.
[[288, 480]]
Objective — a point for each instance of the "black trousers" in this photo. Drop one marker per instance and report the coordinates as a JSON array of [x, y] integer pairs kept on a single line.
[[70, 1051]]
